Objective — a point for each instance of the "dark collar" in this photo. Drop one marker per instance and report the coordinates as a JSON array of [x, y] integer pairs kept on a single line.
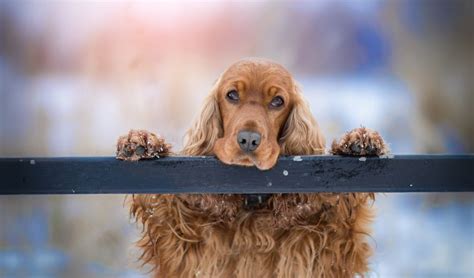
[[255, 201]]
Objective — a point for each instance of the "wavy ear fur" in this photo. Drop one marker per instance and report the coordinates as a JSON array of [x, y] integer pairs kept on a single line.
[[301, 134], [207, 128]]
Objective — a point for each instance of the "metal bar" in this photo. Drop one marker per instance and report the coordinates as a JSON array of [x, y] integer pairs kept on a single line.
[[98, 175]]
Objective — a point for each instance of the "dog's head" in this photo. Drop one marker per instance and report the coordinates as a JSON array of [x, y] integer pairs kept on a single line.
[[254, 113]]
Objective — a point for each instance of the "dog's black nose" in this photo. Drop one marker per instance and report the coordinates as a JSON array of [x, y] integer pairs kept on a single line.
[[248, 140]]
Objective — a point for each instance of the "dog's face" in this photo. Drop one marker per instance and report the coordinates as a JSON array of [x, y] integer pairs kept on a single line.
[[254, 113], [254, 104]]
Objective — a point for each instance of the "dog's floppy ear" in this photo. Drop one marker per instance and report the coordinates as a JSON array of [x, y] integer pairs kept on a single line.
[[301, 133], [207, 128]]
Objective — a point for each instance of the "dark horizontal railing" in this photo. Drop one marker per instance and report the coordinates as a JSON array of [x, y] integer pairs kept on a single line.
[[97, 175]]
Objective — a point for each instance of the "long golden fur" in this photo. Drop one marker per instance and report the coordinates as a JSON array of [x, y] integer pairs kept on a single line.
[[292, 235]]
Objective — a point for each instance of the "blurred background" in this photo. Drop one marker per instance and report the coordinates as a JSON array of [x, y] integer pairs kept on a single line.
[[74, 75]]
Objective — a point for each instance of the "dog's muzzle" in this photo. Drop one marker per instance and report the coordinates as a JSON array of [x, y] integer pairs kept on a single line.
[[255, 201]]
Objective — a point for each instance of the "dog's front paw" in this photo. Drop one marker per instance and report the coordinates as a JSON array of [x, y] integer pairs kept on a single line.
[[141, 144], [360, 142]]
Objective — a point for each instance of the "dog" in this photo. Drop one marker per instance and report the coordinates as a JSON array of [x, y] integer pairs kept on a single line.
[[255, 113]]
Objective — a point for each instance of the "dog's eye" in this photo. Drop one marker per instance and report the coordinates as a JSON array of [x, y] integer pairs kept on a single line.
[[233, 96], [277, 102]]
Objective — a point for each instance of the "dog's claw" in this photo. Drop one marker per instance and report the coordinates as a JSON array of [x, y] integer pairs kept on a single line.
[[355, 147], [127, 152], [370, 149], [140, 150]]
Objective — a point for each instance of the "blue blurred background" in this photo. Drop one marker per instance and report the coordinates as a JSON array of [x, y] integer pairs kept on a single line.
[[75, 75]]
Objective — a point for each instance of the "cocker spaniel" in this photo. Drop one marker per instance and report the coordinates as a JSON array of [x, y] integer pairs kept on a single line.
[[254, 113]]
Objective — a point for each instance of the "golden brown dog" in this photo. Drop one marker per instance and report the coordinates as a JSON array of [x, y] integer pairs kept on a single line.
[[254, 113]]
